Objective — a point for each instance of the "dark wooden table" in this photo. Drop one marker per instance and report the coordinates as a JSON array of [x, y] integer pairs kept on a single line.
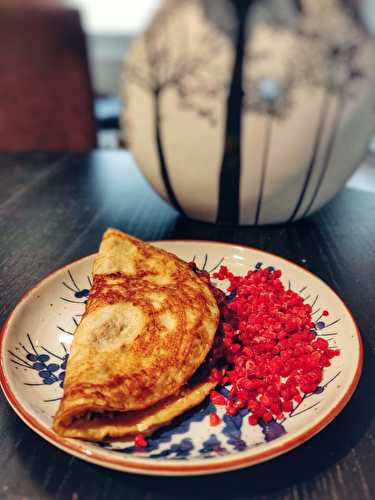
[[54, 208]]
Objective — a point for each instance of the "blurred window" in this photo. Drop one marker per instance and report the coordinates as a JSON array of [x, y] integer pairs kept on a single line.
[[115, 16], [110, 26]]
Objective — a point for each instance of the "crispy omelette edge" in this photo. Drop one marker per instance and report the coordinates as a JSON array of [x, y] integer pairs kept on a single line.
[[63, 420]]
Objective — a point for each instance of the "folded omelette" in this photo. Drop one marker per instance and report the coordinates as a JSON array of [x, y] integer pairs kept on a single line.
[[149, 324]]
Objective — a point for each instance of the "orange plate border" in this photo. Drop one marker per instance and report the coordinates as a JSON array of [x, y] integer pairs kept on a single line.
[[129, 465]]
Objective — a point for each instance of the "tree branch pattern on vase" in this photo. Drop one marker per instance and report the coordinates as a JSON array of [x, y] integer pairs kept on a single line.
[[173, 67], [207, 73], [329, 47]]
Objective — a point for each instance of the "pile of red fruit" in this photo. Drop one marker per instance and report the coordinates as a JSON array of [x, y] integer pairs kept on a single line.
[[267, 348]]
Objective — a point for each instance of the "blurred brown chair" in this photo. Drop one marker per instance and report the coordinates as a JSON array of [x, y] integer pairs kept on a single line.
[[46, 98]]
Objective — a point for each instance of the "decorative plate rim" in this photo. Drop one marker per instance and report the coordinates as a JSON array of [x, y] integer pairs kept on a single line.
[[141, 466]]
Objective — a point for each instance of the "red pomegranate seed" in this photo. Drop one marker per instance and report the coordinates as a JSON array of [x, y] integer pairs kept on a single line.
[[267, 417], [252, 405], [287, 406], [320, 344], [308, 388], [235, 347], [217, 398], [230, 408], [297, 398], [267, 347], [330, 353], [253, 420], [140, 441], [215, 375], [275, 408], [266, 401], [214, 419]]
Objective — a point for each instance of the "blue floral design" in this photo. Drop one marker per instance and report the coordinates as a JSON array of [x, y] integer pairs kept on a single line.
[[50, 368], [179, 450], [49, 371], [180, 425], [233, 427], [212, 446], [272, 430], [78, 293]]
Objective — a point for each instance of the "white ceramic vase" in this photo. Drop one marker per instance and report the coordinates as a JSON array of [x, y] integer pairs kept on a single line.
[[250, 112]]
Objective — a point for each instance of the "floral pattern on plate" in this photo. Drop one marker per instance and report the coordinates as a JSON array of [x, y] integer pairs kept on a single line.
[[34, 361]]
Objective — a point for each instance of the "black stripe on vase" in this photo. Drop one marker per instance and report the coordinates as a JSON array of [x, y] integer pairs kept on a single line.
[[298, 5], [230, 171], [329, 151], [317, 141], [266, 152], [162, 161]]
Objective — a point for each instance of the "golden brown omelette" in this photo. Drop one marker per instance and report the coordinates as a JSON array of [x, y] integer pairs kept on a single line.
[[149, 323]]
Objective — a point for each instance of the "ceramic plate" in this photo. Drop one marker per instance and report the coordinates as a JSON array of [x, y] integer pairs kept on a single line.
[[37, 336]]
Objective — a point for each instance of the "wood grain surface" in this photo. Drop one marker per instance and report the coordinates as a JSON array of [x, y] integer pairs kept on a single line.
[[54, 208]]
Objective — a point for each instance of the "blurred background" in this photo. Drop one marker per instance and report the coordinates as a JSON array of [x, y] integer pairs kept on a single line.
[[64, 58], [109, 27]]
